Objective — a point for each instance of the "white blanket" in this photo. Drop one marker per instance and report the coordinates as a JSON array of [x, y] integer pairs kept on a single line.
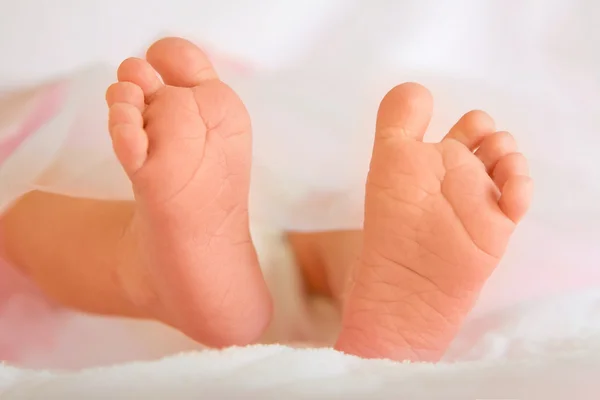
[[555, 368], [319, 69]]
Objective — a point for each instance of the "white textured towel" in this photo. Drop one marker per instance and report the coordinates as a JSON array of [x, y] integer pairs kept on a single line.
[[556, 368]]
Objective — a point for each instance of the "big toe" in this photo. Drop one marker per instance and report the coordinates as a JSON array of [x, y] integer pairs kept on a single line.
[[180, 62], [405, 111]]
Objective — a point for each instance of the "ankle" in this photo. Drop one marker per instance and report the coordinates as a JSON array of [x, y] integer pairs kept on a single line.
[[327, 260], [135, 290]]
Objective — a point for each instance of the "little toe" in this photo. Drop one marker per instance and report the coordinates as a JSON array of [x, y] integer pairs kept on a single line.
[[516, 197], [139, 72], [494, 147], [508, 166], [130, 142], [472, 128], [180, 62], [130, 145], [124, 113], [125, 92]]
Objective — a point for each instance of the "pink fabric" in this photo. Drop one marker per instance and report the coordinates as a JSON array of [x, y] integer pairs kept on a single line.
[[47, 106], [26, 316]]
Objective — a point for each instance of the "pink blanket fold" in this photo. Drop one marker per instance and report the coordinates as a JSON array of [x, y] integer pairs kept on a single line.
[[26, 316]]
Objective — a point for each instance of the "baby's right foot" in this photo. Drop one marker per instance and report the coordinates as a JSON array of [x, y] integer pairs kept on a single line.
[[188, 258], [438, 218]]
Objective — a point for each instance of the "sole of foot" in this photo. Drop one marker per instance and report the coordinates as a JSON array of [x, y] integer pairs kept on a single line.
[[184, 139], [438, 218]]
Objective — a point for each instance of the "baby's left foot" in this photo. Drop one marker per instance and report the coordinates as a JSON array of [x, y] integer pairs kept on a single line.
[[438, 218], [185, 143]]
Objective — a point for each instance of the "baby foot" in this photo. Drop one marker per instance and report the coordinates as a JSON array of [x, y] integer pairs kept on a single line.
[[186, 146], [438, 217]]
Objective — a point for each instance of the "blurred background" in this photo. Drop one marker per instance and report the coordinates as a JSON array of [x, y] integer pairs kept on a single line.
[[312, 73], [541, 55]]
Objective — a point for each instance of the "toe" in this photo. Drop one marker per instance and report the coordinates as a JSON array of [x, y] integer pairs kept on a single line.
[[130, 145], [494, 147], [139, 72], [472, 128], [516, 197], [405, 111], [125, 92], [124, 113], [180, 62], [508, 166], [130, 141]]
